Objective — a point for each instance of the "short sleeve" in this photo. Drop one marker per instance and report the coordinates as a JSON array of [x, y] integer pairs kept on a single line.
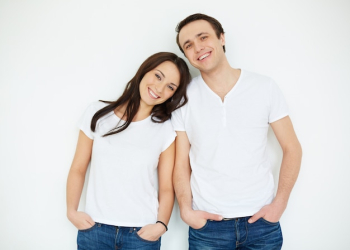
[[84, 124], [177, 119], [278, 105], [170, 136]]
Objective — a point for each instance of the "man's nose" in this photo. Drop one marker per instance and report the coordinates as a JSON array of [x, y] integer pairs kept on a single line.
[[198, 47]]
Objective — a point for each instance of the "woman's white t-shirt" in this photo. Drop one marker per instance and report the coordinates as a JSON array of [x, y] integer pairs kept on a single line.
[[123, 183]]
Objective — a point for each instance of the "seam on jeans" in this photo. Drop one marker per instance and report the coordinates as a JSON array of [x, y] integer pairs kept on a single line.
[[246, 235], [115, 240]]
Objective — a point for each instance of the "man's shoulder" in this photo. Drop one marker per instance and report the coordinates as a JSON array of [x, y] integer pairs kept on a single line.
[[255, 77], [194, 82]]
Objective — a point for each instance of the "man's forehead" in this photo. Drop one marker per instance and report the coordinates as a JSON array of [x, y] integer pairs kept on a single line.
[[189, 31]]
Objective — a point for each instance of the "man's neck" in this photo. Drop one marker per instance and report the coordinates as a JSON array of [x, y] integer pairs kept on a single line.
[[222, 79]]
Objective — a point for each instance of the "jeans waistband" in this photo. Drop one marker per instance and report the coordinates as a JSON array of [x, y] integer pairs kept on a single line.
[[235, 218]]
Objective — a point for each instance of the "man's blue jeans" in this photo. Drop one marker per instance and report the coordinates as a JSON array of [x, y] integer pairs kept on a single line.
[[106, 237], [236, 234]]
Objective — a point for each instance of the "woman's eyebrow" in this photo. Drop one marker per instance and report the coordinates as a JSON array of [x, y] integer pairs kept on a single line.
[[161, 72]]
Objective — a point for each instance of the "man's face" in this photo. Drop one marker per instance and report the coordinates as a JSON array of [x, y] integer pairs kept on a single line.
[[202, 47]]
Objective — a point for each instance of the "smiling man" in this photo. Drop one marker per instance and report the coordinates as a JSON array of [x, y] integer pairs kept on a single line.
[[222, 175]]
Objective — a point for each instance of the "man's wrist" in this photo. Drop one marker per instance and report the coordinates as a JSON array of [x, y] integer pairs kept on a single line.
[[185, 212], [280, 200], [71, 212]]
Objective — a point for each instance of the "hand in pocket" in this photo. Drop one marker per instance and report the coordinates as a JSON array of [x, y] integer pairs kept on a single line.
[[81, 220]]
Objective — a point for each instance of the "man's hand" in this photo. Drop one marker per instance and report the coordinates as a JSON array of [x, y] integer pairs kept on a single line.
[[80, 220], [152, 232], [197, 219], [271, 212]]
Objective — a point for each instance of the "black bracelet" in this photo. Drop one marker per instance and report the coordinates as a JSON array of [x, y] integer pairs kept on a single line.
[[163, 224]]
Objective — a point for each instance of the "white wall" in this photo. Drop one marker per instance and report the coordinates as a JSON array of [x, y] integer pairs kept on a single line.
[[58, 56]]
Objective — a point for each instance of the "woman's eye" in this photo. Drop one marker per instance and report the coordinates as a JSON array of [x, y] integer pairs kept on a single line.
[[159, 78], [171, 87]]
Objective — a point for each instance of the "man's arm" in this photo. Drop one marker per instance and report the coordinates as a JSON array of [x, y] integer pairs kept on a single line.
[[290, 167], [181, 178]]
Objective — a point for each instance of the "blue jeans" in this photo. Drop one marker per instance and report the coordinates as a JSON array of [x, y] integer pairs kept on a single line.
[[236, 234], [106, 237]]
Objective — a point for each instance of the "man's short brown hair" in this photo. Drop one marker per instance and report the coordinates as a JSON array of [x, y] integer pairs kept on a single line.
[[198, 16]]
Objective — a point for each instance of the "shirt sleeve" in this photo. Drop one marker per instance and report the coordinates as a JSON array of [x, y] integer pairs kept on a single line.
[[170, 136], [278, 105], [177, 119], [84, 124]]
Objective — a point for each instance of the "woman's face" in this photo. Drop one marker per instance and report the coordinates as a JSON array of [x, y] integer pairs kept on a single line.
[[159, 84]]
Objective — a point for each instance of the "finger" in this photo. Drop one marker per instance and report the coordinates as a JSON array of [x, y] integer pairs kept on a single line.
[[90, 221], [84, 225], [210, 216], [255, 217]]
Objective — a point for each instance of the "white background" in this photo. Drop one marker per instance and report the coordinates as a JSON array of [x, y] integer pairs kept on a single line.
[[58, 56]]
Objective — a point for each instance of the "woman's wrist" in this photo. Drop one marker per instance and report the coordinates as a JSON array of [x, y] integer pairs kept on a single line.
[[163, 224]]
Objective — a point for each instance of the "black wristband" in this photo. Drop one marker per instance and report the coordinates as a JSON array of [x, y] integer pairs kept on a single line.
[[163, 224]]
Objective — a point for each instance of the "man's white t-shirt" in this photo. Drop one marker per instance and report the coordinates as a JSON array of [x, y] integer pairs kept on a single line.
[[231, 174], [123, 182]]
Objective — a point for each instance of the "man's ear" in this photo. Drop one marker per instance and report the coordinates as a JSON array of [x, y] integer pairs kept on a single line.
[[222, 39]]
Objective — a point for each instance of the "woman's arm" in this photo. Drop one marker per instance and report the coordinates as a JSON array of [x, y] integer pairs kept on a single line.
[[166, 195], [75, 182]]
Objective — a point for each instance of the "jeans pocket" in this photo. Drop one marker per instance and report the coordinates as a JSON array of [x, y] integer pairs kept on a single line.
[[88, 229], [269, 222], [142, 239], [202, 228]]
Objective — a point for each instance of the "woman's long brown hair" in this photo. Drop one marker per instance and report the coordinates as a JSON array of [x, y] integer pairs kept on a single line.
[[131, 95]]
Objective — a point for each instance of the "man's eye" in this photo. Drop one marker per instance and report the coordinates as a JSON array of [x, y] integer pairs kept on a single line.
[[204, 37], [188, 46]]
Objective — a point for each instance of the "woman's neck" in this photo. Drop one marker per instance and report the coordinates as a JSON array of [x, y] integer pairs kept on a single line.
[[141, 114]]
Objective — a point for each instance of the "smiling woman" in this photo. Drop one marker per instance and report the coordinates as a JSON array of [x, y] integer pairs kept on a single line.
[[159, 84], [130, 143]]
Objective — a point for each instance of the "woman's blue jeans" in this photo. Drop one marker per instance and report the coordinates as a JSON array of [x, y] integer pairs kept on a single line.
[[237, 234], [106, 237]]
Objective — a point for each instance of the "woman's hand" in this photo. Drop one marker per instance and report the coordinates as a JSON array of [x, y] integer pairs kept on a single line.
[[152, 232], [80, 220]]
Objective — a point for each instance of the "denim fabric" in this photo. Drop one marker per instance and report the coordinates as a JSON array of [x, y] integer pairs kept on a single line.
[[106, 237], [236, 234]]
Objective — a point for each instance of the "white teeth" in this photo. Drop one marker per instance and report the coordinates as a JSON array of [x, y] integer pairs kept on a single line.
[[154, 95], [204, 56]]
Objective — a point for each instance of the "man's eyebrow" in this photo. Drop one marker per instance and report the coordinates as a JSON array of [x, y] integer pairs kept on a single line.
[[198, 35]]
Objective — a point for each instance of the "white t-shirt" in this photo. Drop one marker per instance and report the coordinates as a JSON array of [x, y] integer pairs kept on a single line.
[[231, 173], [123, 183]]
